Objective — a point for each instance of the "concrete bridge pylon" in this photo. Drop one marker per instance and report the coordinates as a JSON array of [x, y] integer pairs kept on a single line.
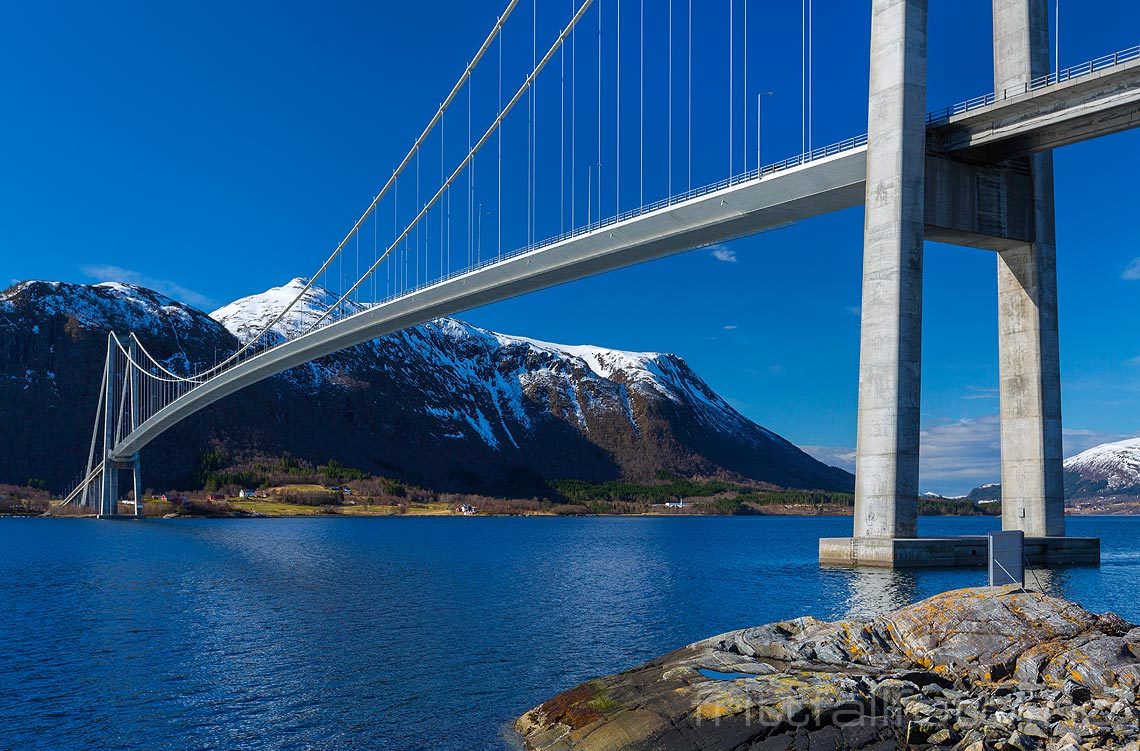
[[913, 194]]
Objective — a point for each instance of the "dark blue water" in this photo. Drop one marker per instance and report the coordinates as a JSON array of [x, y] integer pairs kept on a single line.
[[404, 633]]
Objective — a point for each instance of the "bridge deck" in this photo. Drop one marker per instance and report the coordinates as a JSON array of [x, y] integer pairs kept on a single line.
[[1097, 103], [751, 206]]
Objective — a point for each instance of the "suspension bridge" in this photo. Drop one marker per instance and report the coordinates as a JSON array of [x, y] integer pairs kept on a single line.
[[551, 121]]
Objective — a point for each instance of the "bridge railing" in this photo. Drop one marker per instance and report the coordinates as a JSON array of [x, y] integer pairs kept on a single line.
[[1104, 62], [767, 170]]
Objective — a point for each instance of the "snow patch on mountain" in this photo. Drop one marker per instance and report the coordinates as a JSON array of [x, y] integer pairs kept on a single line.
[[1117, 465], [105, 305], [485, 368], [246, 317]]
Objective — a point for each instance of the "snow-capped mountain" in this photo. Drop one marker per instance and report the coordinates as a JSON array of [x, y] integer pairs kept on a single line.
[[246, 317], [444, 404], [505, 371], [991, 491], [125, 307], [1108, 469]]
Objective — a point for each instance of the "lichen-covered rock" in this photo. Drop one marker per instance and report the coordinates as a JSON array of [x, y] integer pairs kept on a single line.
[[972, 669]]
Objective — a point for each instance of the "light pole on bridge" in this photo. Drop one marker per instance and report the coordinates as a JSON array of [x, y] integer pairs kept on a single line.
[[479, 233], [759, 109]]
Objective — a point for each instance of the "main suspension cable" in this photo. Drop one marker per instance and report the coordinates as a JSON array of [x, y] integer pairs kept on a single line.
[[463, 79], [523, 89]]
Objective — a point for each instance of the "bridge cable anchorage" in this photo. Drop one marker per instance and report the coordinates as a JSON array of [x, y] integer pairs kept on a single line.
[[79, 492], [491, 130], [464, 78]]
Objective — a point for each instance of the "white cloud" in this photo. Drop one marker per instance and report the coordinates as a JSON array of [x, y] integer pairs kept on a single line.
[[1134, 360], [106, 273], [976, 392], [1077, 440], [959, 455], [855, 310], [1132, 273], [721, 253], [730, 327], [836, 456], [956, 455]]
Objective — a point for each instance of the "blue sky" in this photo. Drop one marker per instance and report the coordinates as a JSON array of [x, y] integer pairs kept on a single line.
[[213, 150]]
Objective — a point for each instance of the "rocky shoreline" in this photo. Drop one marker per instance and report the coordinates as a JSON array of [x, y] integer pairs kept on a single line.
[[977, 669]]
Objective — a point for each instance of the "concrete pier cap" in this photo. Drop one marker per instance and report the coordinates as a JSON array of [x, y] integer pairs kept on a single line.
[[950, 552]]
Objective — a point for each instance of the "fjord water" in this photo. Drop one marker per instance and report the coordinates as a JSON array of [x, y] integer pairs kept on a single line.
[[406, 633]]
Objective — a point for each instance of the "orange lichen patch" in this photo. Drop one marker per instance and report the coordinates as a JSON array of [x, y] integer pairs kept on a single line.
[[857, 643], [711, 711]]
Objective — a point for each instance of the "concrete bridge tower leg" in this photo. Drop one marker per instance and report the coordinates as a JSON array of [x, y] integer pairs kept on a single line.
[[109, 493], [136, 462], [1031, 452], [886, 466]]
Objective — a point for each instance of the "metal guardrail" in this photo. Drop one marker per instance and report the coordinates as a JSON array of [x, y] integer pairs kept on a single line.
[[1104, 62]]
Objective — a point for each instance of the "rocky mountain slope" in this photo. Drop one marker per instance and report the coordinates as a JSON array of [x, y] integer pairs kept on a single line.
[[446, 405]]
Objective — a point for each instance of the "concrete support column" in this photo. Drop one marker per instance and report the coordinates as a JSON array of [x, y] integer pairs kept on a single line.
[[1031, 452], [109, 495], [136, 463], [890, 355], [136, 478]]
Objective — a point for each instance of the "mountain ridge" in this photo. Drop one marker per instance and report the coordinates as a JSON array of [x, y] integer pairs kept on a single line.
[[445, 404]]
